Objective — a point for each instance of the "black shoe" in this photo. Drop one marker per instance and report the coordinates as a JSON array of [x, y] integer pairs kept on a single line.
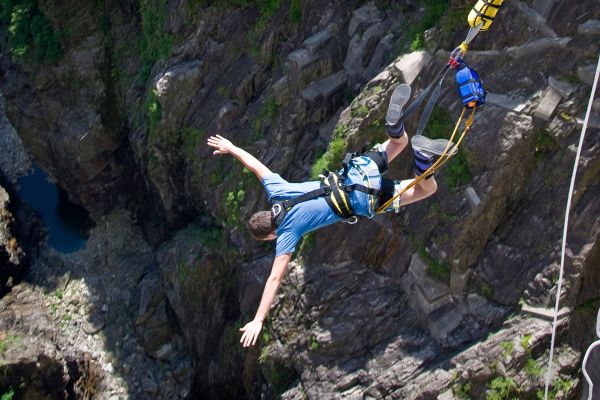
[[393, 118]]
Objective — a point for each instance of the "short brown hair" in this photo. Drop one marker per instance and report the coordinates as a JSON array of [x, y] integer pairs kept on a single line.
[[261, 224]]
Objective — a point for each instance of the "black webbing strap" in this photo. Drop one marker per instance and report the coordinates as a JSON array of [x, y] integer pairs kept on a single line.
[[338, 200], [430, 105], [492, 5], [419, 99], [361, 188], [483, 16]]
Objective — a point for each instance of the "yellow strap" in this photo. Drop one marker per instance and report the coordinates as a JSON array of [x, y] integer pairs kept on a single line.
[[441, 161]]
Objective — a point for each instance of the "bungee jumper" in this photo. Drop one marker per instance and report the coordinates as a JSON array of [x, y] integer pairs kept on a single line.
[[355, 191], [358, 189]]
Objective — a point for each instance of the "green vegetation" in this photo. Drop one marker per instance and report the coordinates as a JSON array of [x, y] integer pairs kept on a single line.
[[559, 385], [457, 170], [436, 269], [153, 115], [462, 391], [525, 342], [155, 43], [486, 290], [333, 155], [501, 388], [571, 78], [268, 112], [233, 202], [413, 38], [191, 138], [313, 344], [360, 111], [545, 144], [533, 369], [8, 395], [507, 348], [7, 341], [212, 238], [58, 293], [30, 34], [295, 13]]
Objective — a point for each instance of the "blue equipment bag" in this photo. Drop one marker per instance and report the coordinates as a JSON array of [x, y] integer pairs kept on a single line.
[[470, 87]]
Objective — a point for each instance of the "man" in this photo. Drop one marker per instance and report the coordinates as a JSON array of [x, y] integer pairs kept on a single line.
[[365, 170]]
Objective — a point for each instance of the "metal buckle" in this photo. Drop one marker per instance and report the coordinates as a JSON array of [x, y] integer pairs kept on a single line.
[[327, 190], [352, 220], [276, 210]]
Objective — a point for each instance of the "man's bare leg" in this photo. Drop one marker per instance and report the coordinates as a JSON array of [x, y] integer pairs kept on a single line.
[[423, 189], [394, 146]]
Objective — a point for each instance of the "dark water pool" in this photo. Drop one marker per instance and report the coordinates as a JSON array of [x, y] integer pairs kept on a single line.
[[68, 224]]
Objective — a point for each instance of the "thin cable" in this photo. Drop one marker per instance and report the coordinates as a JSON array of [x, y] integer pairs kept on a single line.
[[565, 228]]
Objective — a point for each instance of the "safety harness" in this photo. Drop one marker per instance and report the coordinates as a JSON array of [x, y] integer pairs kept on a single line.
[[333, 189]]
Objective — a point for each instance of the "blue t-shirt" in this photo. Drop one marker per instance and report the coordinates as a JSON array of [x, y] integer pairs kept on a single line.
[[316, 213]]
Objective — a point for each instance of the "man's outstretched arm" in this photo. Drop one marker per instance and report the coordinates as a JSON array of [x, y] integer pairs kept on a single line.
[[252, 329], [224, 146]]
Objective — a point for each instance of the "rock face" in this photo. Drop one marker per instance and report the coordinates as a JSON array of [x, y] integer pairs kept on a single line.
[[410, 306], [12, 257]]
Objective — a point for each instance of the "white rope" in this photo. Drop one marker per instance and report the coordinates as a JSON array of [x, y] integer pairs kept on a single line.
[[585, 360], [564, 239]]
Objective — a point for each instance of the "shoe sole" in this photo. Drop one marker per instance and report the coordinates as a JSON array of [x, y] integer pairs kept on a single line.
[[432, 146], [397, 102]]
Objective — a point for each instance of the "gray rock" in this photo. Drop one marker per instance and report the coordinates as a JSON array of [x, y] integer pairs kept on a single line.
[[548, 104], [317, 41], [361, 48], [94, 324], [176, 89], [591, 27], [472, 196], [228, 113], [281, 90], [379, 57], [149, 385], [586, 73], [301, 59], [564, 88], [411, 65], [543, 7], [326, 87], [364, 17]]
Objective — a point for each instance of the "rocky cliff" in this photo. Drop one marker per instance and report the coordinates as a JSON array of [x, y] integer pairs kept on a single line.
[[448, 299]]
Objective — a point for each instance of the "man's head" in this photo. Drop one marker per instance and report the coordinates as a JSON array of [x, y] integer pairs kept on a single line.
[[262, 226]]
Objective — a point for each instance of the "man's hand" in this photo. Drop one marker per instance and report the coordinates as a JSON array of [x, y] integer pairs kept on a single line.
[[222, 145], [251, 331]]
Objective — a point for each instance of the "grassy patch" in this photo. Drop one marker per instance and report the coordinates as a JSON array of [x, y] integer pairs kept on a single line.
[[525, 342], [545, 144], [436, 269], [413, 38], [333, 155], [30, 34], [507, 348], [360, 111], [533, 368], [501, 388], [155, 43], [8, 395], [559, 385], [233, 202], [313, 344], [153, 115], [486, 290], [295, 12], [462, 391]]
